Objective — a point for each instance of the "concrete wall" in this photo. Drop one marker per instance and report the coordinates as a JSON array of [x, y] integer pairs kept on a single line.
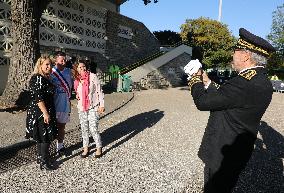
[[4, 69], [106, 4], [169, 75], [152, 65], [124, 51], [119, 50]]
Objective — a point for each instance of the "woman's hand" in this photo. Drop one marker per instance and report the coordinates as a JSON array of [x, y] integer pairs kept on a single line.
[[101, 110], [46, 118], [77, 97]]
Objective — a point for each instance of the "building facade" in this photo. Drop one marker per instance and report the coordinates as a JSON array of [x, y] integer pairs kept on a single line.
[[92, 29]]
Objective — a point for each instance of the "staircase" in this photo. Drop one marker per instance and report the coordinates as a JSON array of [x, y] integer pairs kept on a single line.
[[141, 69], [163, 51]]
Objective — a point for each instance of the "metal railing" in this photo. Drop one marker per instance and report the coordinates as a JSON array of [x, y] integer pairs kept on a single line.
[[106, 77], [140, 63], [149, 58]]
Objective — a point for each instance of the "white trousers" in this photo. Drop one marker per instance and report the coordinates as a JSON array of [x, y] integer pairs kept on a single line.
[[89, 123]]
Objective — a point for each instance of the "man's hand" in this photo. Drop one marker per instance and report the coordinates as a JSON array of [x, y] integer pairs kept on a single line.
[[192, 68], [198, 73], [205, 79]]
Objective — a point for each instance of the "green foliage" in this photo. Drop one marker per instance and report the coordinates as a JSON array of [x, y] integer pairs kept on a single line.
[[276, 36], [219, 57], [276, 61], [167, 37], [210, 36]]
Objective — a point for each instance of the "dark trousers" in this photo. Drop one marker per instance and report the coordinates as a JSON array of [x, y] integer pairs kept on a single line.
[[114, 82], [43, 151], [236, 156], [222, 181]]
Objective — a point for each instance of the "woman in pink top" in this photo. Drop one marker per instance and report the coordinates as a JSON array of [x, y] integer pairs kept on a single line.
[[90, 105]]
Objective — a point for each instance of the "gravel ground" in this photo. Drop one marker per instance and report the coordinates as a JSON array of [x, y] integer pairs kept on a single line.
[[13, 123], [151, 145]]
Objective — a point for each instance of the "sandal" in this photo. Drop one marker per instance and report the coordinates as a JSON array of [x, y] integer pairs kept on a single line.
[[84, 155], [98, 155]]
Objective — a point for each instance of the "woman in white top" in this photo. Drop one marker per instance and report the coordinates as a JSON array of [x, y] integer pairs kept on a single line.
[[90, 105]]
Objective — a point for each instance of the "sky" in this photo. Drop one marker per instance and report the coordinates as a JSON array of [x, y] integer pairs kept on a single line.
[[253, 15]]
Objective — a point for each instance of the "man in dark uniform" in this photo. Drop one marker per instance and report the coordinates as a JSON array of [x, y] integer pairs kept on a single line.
[[236, 108]]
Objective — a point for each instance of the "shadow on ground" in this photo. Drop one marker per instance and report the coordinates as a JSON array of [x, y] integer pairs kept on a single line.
[[17, 155], [264, 172], [127, 129], [122, 132]]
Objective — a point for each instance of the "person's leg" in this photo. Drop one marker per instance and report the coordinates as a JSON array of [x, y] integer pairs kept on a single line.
[[61, 132], [62, 119], [83, 116], [61, 135], [224, 180], [45, 151], [45, 157], [206, 178], [93, 118], [38, 153], [236, 156]]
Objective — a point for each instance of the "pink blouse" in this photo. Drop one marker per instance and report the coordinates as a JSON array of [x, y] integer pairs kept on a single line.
[[96, 95]]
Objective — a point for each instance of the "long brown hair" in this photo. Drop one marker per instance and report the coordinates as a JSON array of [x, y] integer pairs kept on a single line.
[[75, 74]]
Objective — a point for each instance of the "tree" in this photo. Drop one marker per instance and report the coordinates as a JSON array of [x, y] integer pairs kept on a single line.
[[276, 36], [25, 16], [167, 37], [212, 38], [275, 61]]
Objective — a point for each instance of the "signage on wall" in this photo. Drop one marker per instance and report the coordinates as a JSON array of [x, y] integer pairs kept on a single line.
[[125, 32]]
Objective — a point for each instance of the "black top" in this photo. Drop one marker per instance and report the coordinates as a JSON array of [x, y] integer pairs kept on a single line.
[[41, 89], [236, 108]]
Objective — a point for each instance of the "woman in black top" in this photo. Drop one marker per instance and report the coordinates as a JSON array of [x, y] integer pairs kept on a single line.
[[41, 115]]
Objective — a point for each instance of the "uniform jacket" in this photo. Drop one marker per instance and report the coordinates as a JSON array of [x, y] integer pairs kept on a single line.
[[236, 108], [96, 95]]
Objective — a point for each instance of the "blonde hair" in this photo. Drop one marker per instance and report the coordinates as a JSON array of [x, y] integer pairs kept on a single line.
[[37, 69]]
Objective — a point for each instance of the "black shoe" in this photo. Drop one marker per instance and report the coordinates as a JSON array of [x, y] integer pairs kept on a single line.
[[46, 166], [84, 155], [38, 160], [61, 152]]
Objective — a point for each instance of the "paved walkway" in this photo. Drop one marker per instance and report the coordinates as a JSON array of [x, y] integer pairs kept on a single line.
[[151, 145]]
